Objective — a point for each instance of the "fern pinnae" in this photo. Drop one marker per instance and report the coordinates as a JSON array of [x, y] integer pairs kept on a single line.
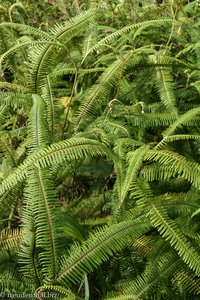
[[39, 133], [184, 119], [170, 232], [69, 150], [10, 238], [111, 37], [135, 161], [48, 98], [28, 260], [164, 85], [60, 289], [98, 248], [41, 65], [22, 45], [102, 88], [28, 30], [188, 280], [179, 164], [42, 194]]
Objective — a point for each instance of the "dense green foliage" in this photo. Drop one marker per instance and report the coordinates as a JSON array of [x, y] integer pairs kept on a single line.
[[99, 149]]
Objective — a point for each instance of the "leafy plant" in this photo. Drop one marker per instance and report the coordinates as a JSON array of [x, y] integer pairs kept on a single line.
[[99, 152]]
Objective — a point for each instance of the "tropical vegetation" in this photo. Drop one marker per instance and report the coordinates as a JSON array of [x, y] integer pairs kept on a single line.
[[100, 149]]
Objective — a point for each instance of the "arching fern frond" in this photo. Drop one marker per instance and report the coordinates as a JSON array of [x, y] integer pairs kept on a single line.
[[64, 151], [179, 164], [97, 248], [41, 58], [41, 193], [169, 230], [135, 161], [113, 36], [164, 84], [101, 89]]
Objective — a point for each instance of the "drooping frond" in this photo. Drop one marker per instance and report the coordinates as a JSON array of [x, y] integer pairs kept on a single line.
[[179, 164], [64, 151], [169, 230], [97, 248], [41, 193], [101, 89], [135, 161], [41, 60], [113, 36]]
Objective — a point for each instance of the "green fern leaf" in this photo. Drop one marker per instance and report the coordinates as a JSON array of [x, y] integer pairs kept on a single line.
[[97, 248], [171, 233]]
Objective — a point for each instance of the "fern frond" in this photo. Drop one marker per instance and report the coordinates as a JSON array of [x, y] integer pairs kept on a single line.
[[64, 151], [23, 45], [184, 119], [164, 84], [101, 89], [67, 292], [39, 135], [113, 36], [177, 137], [97, 248], [41, 192], [188, 280], [28, 254], [64, 71], [171, 233], [113, 126], [27, 30], [42, 57], [14, 99], [179, 164], [10, 238], [135, 161]]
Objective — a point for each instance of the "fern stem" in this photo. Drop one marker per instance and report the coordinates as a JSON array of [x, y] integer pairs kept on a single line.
[[70, 102]]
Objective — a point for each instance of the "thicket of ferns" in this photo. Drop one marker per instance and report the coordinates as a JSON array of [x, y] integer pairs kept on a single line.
[[100, 175]]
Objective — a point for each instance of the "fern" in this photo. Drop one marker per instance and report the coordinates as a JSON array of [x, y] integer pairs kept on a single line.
[[134, 164], [42, 56], [180, 165], [108, 39], [97, 249], [170, 232], [74, 149], [165, 89], [106, 81], [10, 238]]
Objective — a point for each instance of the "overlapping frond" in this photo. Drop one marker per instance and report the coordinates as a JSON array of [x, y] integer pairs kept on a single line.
[[41, 57], [171, 233], [98, 248], [64, 151], [101, 89]]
